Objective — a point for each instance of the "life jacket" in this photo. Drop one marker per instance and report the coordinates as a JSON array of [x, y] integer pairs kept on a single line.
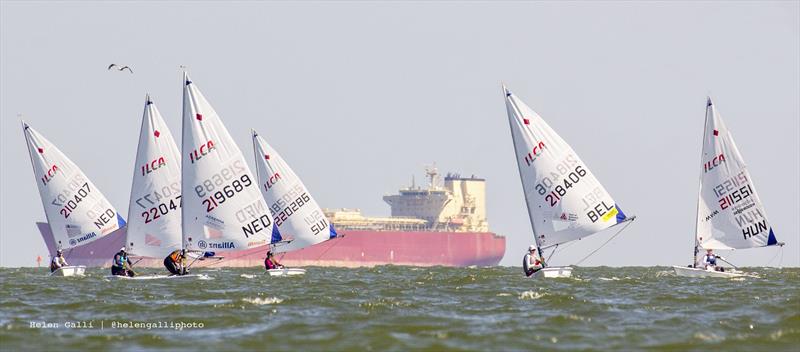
[[175, 256], [710, 259], [121, 261], [269, 264]]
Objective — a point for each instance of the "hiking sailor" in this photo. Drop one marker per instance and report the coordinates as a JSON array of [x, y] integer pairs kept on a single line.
[[122, 264], [175, 262], [58, 261], [531, 263]]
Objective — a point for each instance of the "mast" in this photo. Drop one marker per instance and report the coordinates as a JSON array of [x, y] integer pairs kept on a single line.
[[135, 166], [253, 136], [700, 184], [522, 181], [183, 138], [44, 205]]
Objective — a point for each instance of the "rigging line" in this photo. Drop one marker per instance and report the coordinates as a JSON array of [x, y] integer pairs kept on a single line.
[[69, 253], [565, 246], [246, 253], [552, 253], [331, 247], [604, 243], [780, 251]]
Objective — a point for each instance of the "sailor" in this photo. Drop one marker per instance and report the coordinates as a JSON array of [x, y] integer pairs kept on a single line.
[[531, 263], [272, 263], [122, 264], [175, 262], [58, 261], [710, 261]]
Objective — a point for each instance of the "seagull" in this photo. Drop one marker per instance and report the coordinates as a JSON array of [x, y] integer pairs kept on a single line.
[[120, 68]]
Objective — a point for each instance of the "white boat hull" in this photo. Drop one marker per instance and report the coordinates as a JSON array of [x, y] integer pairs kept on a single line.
[[77, 270], [156, 277], [686, 271], [554, 272], [286, 272]]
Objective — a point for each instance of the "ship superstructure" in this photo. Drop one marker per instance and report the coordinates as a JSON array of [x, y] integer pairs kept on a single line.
[[456, 205]]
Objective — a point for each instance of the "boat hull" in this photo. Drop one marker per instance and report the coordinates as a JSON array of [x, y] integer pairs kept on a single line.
[[286, 272], [157, 277], [351, 249], [696, 272], [554, 272], [72, 270]]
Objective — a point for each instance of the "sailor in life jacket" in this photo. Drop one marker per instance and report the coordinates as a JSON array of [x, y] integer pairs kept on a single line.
[[121, 264], [175, 262], [531, 262], [271, 263], [710, 261], [58, 261]]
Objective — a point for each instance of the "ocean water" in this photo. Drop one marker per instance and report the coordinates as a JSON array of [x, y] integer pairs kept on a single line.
[[392, 308]]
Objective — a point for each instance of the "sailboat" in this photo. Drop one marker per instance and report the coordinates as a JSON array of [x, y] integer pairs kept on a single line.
[[154, 210], [296, 213], [565, 200], [223, 210], [77, 212], [730, 214]]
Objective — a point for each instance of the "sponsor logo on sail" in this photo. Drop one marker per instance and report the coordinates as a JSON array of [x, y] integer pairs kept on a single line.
[[86, 237], [217, 245]]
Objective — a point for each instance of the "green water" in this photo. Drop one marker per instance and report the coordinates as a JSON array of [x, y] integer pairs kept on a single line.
[[399, 308]]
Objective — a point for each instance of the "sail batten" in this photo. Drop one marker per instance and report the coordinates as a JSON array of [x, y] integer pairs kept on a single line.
[[222, 206], [730, 214], [77, 212], [296, 213], [565, 200], [154, 210]]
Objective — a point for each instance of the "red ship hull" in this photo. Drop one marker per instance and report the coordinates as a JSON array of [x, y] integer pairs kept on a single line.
[[354, 248]]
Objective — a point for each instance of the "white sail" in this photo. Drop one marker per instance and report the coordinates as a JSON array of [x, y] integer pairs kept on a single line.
[[222, 206], [77, 212], [154, 211], [565, 200], [295, 211], [729, 213]]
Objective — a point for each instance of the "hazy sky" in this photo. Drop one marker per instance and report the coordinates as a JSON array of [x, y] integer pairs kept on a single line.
[[357, 96]]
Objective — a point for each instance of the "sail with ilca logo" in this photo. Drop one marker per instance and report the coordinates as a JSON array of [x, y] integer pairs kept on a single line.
[[154, 211], [77, 212], [295, 211], [223, 210], [730, 214], [565, 200]]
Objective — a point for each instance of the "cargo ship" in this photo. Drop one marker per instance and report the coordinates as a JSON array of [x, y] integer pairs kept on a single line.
[[443, 223]]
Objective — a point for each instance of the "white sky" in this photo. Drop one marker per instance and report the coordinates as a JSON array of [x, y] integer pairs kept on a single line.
[[357, 96]]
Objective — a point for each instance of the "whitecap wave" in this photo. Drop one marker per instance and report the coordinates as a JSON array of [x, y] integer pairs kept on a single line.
[[262, 301], [531, 295]]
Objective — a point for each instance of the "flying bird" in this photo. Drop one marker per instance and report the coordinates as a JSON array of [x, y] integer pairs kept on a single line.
[[120, 68]]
